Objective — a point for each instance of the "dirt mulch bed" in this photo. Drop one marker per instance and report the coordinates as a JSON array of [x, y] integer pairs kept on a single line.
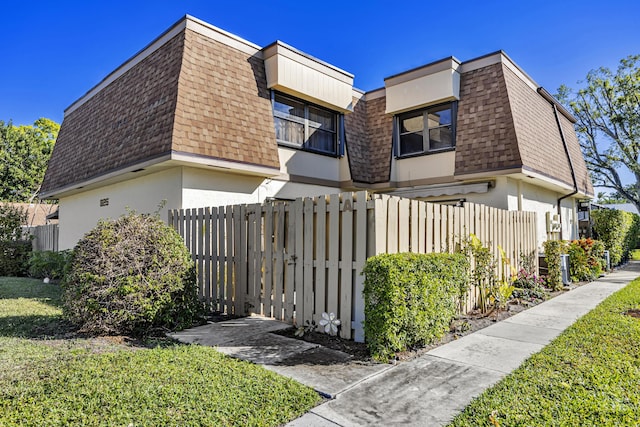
[[633, 313], [464, 325]]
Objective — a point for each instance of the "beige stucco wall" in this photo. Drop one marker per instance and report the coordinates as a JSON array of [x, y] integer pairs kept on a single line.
[[419, 168], [429, 89], [203, 188], [80, 213], [543, 200], [312, 165]]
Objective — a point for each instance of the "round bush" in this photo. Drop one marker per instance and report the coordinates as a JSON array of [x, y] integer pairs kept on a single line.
[[131, 276]]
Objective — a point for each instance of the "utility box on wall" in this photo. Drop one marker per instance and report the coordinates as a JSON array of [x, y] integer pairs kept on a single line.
[[553, 223]]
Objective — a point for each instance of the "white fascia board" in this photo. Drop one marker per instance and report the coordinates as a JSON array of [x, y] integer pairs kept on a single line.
[[75, 187], [497, 58], [228, 165]]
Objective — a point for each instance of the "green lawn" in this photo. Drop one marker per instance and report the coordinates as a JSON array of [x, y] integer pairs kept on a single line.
[[49, 376], [635, 254], [588, 376]]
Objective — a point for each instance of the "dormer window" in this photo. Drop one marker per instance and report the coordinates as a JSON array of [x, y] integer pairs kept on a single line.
[[300, 124], [425, 131]]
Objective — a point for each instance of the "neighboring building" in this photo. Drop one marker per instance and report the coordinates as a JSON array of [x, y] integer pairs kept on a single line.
[[37, 213], [201, 117]]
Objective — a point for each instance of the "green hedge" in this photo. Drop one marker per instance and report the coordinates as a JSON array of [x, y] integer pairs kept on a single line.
[[410, 299], [14, 257], [53, 265], [618, 230]]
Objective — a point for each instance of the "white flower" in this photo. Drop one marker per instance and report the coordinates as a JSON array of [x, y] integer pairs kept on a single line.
[[330, 323]]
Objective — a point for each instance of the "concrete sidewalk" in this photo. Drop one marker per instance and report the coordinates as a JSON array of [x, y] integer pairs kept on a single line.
[[427, 391], [434, 388]]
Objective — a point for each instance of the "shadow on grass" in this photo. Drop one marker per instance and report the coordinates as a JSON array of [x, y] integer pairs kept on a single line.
[[35, 327], [34, 289]]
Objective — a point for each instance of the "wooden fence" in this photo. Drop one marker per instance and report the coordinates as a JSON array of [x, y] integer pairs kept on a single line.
[[295, 260], [45, 237]]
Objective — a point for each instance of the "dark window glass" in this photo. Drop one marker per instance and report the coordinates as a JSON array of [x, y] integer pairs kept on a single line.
[[305, 125], [426, 130]]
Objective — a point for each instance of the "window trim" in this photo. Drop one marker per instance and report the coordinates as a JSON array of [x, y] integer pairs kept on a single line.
[[425, 152], [339, 133]]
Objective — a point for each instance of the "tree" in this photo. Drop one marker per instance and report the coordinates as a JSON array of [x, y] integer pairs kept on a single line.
[[610, 198], [24, 154], [608, 113]]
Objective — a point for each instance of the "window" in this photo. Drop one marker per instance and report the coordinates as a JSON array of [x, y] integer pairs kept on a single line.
[[424, 131], [307, 126]]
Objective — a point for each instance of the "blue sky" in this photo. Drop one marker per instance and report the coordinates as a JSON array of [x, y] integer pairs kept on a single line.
[[53, 52]]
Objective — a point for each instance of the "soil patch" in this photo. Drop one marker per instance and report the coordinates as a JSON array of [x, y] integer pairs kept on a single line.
[[633, 313], [461, 326]]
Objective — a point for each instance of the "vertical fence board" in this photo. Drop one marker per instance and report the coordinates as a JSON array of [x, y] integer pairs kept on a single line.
[[268, 260], [421, 226], [299, 265], [360, 242], [334, 253], [291, 264], [392, 225], [307, 283], [414, 219], [321, 257], [346, 280], [278, 270], [200, 229], [429, 231], [380, 213], [212, 245], [404, 233]]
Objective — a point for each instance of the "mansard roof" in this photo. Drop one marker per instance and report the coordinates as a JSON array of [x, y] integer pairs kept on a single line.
[[199, 93]]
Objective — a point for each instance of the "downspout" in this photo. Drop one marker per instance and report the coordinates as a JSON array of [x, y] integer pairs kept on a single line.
[[546, 95]]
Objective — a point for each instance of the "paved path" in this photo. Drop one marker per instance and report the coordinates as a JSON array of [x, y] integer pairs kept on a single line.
[[427, 391]]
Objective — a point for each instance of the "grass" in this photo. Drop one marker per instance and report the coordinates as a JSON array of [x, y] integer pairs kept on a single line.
[[49, 376], [589, 375], [635, 254]]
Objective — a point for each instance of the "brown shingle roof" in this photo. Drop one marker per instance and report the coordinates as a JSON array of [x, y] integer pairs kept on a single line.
[[380, 135], [178, 99], [485, 135], [369, 141], [355, 126], [129, 121], [224, 106], [196, 95], [503, 123]]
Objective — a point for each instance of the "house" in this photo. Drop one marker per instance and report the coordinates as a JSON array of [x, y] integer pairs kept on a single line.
[[201, 117], [37, 213]]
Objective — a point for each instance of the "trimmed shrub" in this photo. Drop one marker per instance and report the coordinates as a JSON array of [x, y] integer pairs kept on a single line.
[[618, 230], [410, 299], [131, 276], [14, 257], [552, 251], [53, 265]]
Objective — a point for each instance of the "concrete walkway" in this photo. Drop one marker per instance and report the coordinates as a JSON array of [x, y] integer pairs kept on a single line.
[[426, 391]]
